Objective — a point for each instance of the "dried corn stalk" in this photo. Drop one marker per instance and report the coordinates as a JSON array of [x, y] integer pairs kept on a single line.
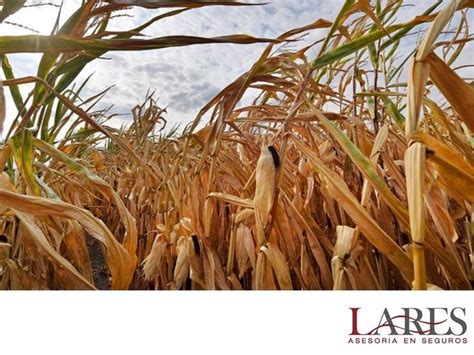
[[415, 175]]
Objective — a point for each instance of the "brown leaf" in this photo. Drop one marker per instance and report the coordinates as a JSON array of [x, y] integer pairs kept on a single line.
[[279, 265], [119, 261], [459, 94]]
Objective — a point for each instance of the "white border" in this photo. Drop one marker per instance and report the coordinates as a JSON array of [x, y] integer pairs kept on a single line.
[[205, 322]]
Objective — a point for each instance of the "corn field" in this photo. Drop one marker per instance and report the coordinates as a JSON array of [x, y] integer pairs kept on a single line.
[[340, 175]]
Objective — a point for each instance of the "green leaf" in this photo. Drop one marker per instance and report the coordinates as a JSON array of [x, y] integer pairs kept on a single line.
[[14, 89], [337, 22], [394, 112], [68, 44], [22, 145]]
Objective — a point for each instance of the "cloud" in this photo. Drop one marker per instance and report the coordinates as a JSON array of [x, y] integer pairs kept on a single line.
[[186, 78], [194, 96]]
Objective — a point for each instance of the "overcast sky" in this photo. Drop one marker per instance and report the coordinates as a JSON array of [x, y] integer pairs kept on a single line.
[[184, 78]]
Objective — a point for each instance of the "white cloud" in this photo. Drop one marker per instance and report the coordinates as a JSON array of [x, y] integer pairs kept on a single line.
[[184, 78]]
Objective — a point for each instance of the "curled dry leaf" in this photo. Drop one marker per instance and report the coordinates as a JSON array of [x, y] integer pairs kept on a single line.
[[371, 230], [244, 249], [455, 173], [118, 259], [459, 93], [279, 265]]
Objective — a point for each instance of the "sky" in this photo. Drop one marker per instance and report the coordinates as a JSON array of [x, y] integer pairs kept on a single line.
[[183, 79]]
